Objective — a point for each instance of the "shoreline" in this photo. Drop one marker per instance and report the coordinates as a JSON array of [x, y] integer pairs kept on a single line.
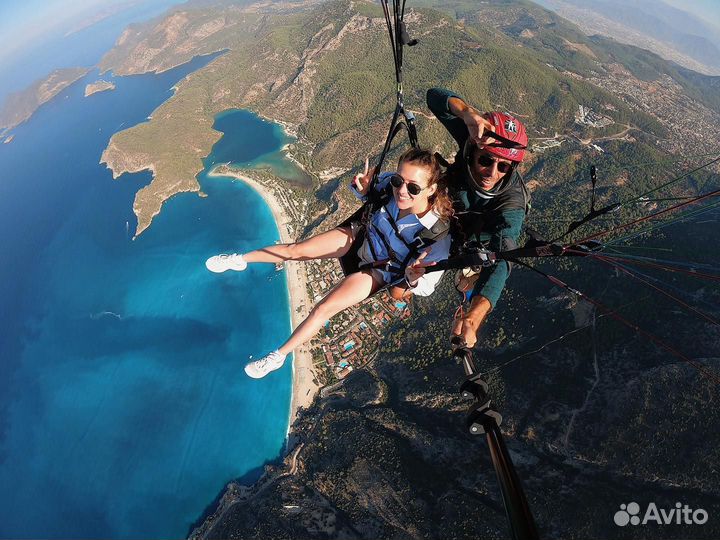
[[304, 386]]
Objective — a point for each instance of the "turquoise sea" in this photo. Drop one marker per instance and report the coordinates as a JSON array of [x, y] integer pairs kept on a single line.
[[124, 410]]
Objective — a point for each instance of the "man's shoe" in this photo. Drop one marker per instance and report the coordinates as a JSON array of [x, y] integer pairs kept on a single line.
[[221, 263], [259, 368]]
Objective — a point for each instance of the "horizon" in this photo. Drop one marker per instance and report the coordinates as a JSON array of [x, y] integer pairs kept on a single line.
[[32, 23], [705, 10], [708, 11]]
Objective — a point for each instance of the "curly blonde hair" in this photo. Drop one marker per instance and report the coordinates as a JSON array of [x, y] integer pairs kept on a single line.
[[440, 200]]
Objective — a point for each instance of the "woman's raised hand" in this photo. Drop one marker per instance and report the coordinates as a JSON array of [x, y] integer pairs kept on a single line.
[[416, 270], [362, 181]]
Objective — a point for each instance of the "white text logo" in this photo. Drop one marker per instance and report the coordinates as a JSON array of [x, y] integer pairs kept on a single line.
[[682, 514]]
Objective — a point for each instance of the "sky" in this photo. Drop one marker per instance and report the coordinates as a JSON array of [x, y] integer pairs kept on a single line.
[[22, 23], [707, 10], [39, 36]]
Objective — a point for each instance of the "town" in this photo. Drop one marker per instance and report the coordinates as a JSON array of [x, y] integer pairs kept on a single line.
[[352, 338]]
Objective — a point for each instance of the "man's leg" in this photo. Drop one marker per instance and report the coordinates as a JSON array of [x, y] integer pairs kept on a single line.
[[468, 325]]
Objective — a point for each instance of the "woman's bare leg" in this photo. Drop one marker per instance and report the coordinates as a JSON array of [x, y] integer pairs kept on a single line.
[[353, 289], [328, 245]]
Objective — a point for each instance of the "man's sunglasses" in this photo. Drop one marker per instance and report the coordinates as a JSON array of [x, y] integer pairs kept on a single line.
[[397, 181], [485, 160]]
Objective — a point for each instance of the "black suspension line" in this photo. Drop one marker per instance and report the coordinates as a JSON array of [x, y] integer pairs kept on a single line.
[[642, 198], [399, 37]]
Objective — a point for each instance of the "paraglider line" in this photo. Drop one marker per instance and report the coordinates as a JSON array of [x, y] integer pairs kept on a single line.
[[714, 193], [709, 374], [660, 290], [699, 275]]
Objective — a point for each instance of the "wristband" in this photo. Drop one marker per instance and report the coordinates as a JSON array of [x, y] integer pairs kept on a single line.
[[410, 285]]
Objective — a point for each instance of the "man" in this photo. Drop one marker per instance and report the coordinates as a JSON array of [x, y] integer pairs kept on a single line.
[[490, 196]]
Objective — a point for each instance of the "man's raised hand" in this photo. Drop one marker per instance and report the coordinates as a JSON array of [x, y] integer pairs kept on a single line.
[[479, 127]]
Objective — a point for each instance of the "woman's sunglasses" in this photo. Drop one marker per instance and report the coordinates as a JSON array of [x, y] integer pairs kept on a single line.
[[413, 189], [485, 160]]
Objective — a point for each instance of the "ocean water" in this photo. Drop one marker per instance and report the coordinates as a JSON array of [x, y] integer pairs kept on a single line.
[[124, 409]]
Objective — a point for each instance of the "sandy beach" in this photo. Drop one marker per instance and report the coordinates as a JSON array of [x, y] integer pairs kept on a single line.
[[304, 387]]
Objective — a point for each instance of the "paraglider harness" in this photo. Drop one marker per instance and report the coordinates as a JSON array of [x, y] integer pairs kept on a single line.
[[477, 256], [377, 199], [468, 222], [351, 263]]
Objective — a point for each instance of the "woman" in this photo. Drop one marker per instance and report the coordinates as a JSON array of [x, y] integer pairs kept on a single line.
[[418, 203]]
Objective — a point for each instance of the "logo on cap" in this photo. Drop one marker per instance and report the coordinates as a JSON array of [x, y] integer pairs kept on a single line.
[[511, 126]]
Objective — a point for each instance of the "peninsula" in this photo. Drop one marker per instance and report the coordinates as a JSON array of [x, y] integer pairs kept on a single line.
[[260, 71], [98, 86], [20, 106]]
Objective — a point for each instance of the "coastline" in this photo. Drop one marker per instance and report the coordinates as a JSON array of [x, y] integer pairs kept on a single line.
[[304, 385]]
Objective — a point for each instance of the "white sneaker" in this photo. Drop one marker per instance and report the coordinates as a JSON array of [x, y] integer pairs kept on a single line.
[[225, 261], [270, 362]]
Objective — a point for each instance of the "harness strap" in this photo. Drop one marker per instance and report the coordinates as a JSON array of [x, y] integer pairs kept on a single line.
[[399, 37], [394, 265], [386, 243], [482, 257]]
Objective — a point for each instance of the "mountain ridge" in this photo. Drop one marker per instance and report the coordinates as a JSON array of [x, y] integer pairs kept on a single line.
[[678, 35]]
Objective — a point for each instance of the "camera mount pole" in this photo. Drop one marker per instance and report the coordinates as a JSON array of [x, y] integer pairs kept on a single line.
[[482, 418]]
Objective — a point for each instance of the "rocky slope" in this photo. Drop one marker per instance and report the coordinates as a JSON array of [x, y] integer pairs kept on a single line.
[[20, 106]]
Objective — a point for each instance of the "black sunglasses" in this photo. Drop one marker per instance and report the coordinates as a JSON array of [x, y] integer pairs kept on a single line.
[[485, 160], [413, 189]]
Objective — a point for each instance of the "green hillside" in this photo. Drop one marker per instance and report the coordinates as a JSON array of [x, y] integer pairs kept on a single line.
[[19, 106], [341, 97]]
